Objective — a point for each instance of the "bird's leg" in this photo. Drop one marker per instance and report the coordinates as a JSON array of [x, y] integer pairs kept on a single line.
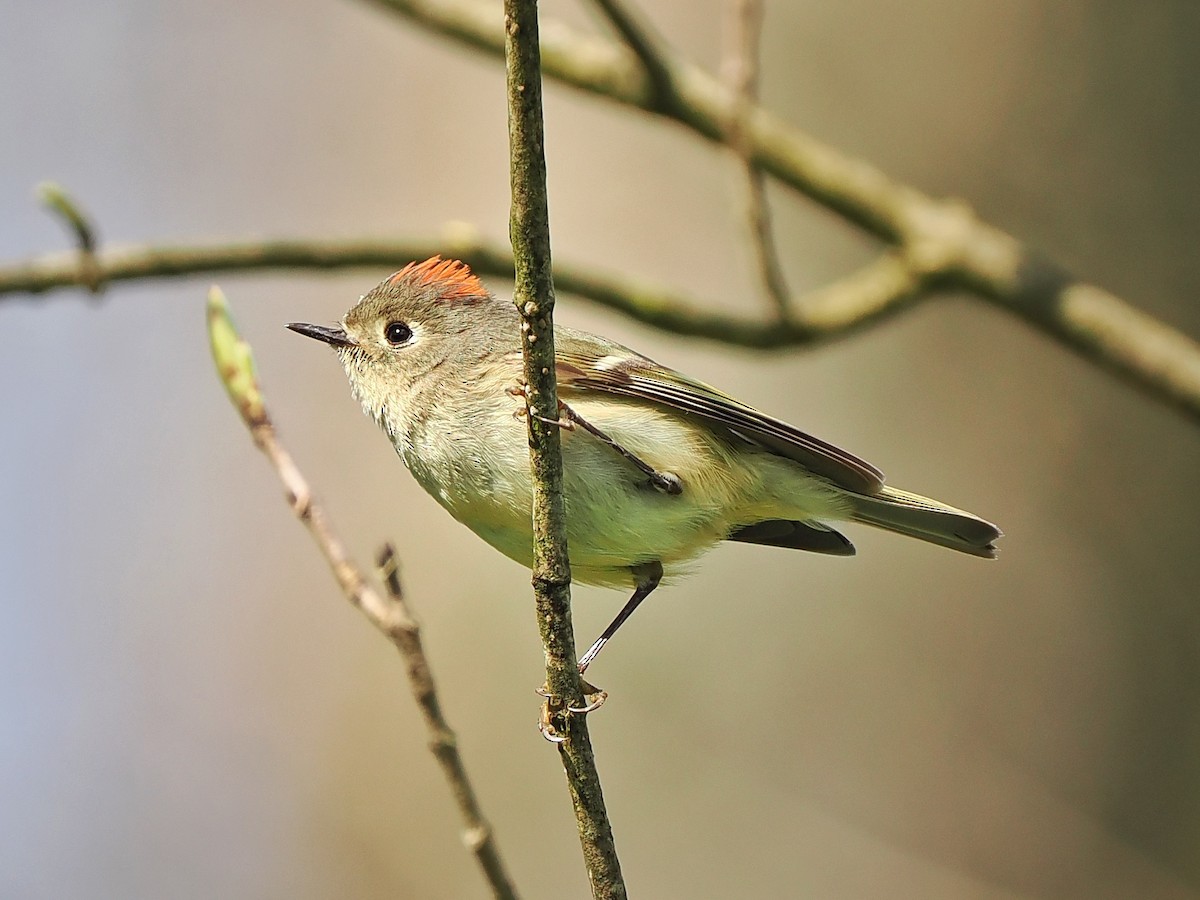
[[554, 709], [648, 576], [663, 481]]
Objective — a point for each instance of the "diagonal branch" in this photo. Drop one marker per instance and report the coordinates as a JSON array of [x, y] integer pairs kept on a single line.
[[879, 289], [855, 189], [477, 834], [235, 365], [949, 245], [529, 227], [646, 47]]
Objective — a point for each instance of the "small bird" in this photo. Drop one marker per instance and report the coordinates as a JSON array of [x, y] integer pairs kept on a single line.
[[657, 467]]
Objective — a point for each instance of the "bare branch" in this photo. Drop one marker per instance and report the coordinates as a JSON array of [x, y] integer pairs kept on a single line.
[[950, 246], [646, 46], [766, 258], [640, 299], [477, 834], [139, 262], [855, 189], [529, 227], [235, 365], [746, 17], [881, 288], [1140, 349]]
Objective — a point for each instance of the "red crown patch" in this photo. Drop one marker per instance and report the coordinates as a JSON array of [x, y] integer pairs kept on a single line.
[[454, 279]]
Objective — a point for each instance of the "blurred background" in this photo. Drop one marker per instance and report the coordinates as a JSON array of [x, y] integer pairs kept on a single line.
[[189, 708]]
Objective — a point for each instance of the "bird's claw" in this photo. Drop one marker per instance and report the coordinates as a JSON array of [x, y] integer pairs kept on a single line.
[[553, 719], [593, 696], [546, 726], [520, 389]]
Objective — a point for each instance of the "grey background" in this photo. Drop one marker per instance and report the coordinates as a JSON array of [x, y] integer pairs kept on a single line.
[[189, 709]]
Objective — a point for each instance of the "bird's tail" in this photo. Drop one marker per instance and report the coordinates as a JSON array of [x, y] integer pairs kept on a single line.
[[927, 520]]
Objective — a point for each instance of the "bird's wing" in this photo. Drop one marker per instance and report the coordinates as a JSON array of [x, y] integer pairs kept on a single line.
[[588, 363]]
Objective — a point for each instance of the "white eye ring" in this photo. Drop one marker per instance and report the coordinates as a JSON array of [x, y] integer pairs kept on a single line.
[[397, 333]]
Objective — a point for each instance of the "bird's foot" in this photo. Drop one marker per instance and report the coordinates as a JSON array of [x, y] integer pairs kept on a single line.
[[521, 389], [552, 722], [593, 698]]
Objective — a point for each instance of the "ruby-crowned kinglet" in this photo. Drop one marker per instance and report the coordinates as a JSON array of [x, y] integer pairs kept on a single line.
[[664, 469]]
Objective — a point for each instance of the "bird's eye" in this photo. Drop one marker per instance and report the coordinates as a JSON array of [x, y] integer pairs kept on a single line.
[[397, 333]]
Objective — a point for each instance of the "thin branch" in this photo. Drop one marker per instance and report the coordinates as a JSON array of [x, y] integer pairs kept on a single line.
[[1133, 345], [529, 228], [855, 189], [653, 304], [881, 288], [477, 834], [766, 257], [235, 365], [950, 246], [646, 46], [140, 262], [746, 18]]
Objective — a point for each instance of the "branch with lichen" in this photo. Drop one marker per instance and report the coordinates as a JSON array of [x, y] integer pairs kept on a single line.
[[941, 243], [533, 294], [390, 614]]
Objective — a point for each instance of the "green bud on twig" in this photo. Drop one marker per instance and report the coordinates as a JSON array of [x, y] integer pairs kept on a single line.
[[235, 361]]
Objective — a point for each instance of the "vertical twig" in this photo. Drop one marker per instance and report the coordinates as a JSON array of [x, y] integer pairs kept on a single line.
[[534, 296], [746, 18]]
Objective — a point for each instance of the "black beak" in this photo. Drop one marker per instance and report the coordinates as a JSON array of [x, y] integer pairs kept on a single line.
[[335, 337]]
